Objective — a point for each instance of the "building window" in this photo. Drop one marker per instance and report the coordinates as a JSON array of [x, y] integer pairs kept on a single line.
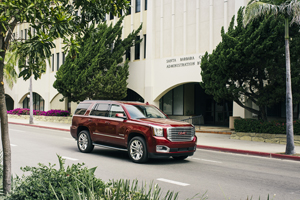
[[128, 54], [21, 34], [137, 6], [111, 16], [63, 57], [25, 34], [57, 61], [38, 102], [53, 62], [172, 102], [145, 43], [146, 2], [129, 8], [137, 49]]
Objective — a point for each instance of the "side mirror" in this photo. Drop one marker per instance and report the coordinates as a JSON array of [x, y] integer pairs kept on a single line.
[[121, 115]]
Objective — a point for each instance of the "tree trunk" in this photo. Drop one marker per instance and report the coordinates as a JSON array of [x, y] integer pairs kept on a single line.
[[290, 149], [30, 102], [4, 134], [263, 113]]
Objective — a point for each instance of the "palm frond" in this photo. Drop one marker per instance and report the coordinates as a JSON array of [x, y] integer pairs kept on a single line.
[[293, 9], [256, 9]]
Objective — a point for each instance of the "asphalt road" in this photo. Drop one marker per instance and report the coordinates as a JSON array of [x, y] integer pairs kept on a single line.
[[219, 175]]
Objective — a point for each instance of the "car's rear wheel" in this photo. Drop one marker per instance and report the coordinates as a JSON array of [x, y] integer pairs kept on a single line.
[[179, 157], [84, 142], [137, 150]]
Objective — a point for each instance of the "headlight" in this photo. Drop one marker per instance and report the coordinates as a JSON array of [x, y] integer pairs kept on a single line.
[[158, 131]]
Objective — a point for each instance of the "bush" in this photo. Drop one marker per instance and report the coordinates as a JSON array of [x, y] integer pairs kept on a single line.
[[259, 126], [78, 182], [26, 111]]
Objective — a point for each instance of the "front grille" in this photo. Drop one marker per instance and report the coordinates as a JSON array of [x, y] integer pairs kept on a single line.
[[181, 134]]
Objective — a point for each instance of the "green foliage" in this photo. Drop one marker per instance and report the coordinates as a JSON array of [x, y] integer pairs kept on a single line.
[[249, 64], [78, 182], [97, 71], [259, 126]]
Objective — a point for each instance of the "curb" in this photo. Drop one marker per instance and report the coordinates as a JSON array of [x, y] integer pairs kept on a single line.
[[215, 132], [38, 126], [254, 153]]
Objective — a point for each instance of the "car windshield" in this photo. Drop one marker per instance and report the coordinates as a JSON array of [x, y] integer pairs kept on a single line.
[[143, 111]]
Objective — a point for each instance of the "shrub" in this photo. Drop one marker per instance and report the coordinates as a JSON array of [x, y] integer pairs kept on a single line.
[[259, 126], [26, 111], [78, 182]]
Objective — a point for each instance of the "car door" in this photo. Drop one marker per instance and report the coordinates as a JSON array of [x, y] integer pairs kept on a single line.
[[98, 122], [116, 126]]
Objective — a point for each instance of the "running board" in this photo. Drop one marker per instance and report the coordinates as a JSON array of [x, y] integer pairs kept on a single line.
[[110, 147]]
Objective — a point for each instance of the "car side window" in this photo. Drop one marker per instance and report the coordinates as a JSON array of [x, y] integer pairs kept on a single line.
[[81, 108], [101, 109], [115, 109]]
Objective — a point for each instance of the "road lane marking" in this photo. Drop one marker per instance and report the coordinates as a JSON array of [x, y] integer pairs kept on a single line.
[[173, 182], [68, 158], [17, 130], [13, 145], [207, 160]]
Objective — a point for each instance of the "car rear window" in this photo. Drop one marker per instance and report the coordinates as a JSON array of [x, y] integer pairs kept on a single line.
[[81, 108]]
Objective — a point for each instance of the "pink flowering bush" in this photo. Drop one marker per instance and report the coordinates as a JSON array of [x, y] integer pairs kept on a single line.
[[25, 111]]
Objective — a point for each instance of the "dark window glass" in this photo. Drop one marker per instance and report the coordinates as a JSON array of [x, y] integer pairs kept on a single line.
[[25, 34], [137, 49], [145, 42], [129, 8], [111, 17], [146, 2], [37, 102], [81, 108], [63, 57], [57, 61], [137, 6], [21, 34], [100, 109], [128, 54], [53, 62]]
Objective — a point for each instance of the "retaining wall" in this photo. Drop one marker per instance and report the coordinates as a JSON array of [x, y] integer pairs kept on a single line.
[[264, 137], [56, 119]]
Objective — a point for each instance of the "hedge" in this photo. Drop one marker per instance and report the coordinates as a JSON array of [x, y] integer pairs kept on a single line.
[[259, 126]]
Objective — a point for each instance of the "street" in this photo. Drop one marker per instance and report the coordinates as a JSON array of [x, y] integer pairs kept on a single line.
[[221, 175]]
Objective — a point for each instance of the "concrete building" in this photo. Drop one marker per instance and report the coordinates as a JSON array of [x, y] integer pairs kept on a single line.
[[164, 68]]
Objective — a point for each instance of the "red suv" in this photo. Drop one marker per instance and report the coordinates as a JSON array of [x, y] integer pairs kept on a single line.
[[141, 129]]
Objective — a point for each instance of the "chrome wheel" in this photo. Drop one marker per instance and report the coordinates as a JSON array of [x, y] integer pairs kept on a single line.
[[138, 150], [84, 142]]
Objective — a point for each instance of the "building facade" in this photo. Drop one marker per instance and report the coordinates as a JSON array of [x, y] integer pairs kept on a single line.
[[164, 67]]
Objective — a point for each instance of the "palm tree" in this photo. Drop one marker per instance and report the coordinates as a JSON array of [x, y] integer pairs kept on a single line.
[[289, 8], [9, 72]]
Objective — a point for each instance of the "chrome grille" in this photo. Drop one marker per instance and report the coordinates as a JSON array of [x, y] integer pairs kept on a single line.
[[180, 134]]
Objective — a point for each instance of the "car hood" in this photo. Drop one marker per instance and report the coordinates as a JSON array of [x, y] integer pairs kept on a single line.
[[164, 122]]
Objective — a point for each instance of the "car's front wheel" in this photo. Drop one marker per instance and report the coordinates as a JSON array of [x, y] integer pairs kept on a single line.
[[137, 150], [84, 142]]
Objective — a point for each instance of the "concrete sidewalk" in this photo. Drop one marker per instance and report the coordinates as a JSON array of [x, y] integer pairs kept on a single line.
[[210, 138]]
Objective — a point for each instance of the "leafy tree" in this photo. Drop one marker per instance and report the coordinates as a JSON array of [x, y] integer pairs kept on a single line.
[[95, 72], [249, 64], [289, 8], [49, 20]]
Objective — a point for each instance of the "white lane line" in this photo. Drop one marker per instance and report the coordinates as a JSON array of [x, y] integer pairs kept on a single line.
[[207, 160], [173, 182], [13, 145], [17, 130], [68, 158]]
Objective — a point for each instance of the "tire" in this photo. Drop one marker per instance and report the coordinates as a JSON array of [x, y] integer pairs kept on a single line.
[[179, 157], [84, 142], [137, 150]]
